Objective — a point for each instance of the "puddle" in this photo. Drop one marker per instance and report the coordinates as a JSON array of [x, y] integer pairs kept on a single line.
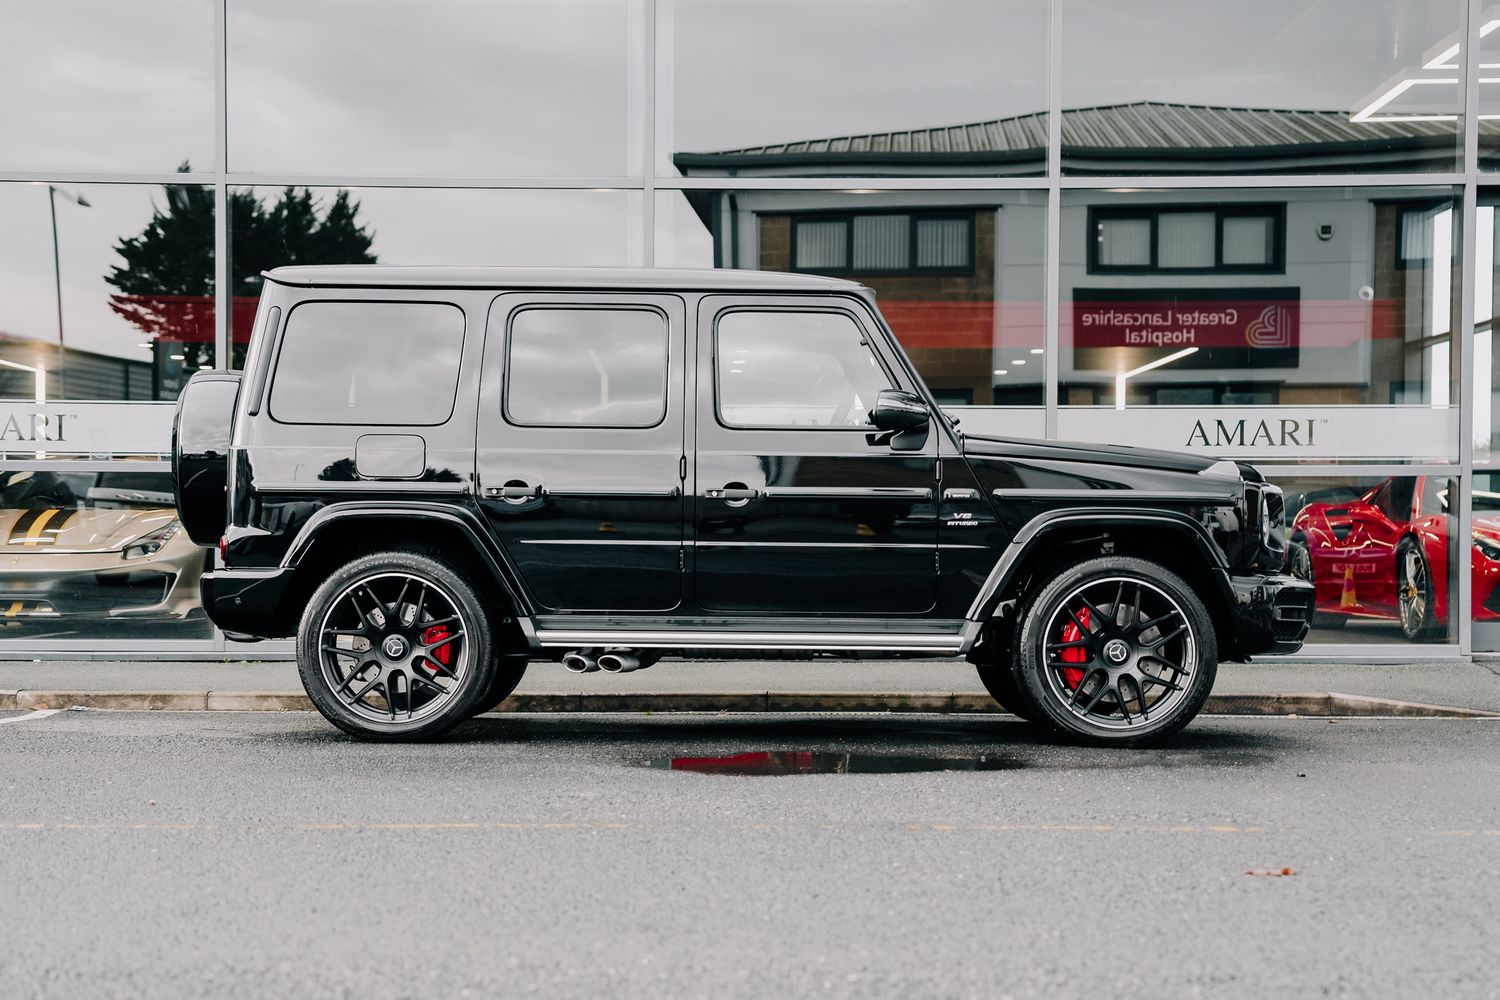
[[779, 762]]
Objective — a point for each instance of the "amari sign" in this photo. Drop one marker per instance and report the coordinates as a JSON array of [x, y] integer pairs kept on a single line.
[[78, 429], [1119, 329], [1272, 432]]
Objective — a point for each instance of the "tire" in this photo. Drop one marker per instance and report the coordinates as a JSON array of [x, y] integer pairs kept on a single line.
[[1414, 596], [509, 669], [998, 675], [396, 646], [1149, 652]]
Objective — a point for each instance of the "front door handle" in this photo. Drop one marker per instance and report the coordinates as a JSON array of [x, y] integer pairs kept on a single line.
[[734, 494]]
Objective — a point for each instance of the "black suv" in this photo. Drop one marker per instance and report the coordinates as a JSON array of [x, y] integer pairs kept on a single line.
[[431, 476]]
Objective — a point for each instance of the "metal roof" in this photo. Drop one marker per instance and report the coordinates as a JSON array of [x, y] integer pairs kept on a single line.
[[1141, 128], [634, 278]]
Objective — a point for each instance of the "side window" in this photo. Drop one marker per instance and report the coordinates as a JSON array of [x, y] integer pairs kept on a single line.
[[368, 363], [794, 369], [570, 367]]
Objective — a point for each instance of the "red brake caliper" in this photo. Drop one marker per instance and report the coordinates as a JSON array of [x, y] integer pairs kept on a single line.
[[444, 654], [1073, 676]]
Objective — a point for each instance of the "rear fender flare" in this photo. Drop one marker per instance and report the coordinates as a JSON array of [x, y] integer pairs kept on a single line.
[[493, 558]]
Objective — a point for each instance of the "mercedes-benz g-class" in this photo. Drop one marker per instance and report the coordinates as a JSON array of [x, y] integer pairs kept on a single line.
[[432, 476]]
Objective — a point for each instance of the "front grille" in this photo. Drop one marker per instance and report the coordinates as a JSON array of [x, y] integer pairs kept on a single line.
[[1291, 614], [1289, 631]]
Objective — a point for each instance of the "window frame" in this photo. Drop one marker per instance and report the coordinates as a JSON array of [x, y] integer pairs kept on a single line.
[[283, 336], [565, 306], [967, 216], [714, 370], [1275, 211]]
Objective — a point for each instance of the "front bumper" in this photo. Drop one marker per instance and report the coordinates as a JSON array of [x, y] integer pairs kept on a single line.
[[1271, 613], [246, 602]]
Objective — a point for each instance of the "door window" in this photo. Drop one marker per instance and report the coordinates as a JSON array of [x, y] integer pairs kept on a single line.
[[785, 368], [587, 368]]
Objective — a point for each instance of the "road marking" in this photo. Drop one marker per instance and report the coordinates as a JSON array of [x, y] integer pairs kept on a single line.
[[40, 713], [1489, 833]]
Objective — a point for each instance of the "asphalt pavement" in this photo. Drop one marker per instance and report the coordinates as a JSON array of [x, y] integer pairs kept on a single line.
[[257, 854]]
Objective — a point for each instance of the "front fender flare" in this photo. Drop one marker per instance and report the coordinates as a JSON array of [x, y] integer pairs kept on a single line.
[[1035, 532]]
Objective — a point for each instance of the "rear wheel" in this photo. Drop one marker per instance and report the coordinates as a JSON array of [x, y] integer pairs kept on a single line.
[[395, 646], [1117, 651]]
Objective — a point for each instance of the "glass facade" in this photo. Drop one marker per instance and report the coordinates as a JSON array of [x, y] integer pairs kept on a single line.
[[1261, 232]]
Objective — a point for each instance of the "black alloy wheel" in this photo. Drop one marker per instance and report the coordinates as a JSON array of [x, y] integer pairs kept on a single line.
[[1117, 651], [1414, 598], [395, 646]]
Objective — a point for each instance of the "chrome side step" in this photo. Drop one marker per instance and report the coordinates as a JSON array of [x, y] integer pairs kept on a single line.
[[692, 639]]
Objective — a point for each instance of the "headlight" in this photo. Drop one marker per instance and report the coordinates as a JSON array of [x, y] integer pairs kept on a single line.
[[1487, 548], [149, 545]]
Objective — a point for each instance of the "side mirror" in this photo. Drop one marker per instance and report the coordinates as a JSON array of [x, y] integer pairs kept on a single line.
[[896, 410]]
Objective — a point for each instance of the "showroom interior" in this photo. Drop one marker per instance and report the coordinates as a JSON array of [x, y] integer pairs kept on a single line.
[[1263, 232]]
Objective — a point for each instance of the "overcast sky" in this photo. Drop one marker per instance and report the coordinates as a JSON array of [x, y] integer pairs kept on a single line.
[[554, 87]]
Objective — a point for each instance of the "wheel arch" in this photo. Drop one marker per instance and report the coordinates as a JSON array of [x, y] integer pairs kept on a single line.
[[1050, 542], [341, 532]]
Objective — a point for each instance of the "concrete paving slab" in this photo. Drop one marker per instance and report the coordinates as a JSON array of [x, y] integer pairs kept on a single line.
[[1473, 685]]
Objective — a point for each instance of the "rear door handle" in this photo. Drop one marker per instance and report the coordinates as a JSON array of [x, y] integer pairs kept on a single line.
[[731, 493]]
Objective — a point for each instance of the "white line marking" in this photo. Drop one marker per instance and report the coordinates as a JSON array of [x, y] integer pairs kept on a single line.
[[40, 713]]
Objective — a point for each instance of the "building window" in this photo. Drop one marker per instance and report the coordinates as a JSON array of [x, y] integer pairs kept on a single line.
[[1234, 239], [1422, 228], [884, 243]]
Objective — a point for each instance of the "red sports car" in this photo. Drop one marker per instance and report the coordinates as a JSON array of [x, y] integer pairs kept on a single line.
[[1384, 554]]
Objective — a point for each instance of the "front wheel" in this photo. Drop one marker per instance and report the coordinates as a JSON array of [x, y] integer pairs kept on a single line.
[[395, 646], [1117, 652], [509, 670], [1414, 599]]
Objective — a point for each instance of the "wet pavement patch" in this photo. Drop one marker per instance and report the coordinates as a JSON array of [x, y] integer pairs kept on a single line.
[[773, 763]]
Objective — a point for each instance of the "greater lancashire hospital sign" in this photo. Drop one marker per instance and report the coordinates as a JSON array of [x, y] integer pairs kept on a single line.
[[1241, 327]]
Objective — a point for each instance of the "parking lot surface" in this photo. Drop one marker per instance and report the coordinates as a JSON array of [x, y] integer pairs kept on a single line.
[[250, 855]]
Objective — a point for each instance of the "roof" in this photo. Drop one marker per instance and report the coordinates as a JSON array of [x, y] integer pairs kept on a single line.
[[1145, 129], [634, 278]]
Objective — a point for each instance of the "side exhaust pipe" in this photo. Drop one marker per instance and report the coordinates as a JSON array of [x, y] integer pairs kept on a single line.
[[581, 661], [623, 661]]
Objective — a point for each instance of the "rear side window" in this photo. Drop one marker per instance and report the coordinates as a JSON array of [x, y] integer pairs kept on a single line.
[[586, 368], [368, 363]]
